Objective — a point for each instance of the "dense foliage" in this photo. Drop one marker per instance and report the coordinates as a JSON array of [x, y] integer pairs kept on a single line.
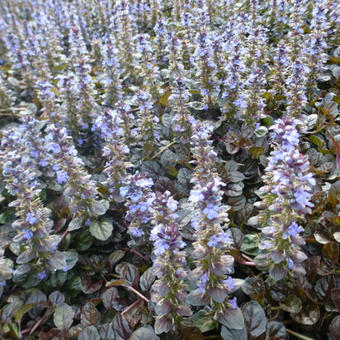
[[169, 169]]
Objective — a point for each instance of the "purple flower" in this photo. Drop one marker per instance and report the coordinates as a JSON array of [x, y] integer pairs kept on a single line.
[[202, 283], [30, 218], [290, 263], [145, 182], [172, 204], [54, 147], [303, 197], [212, 211], [136, 232], [28, 234], [294, 229], [123, 191], [233, 302], [219, 240], [196, 196], [62, 176], [42, 275], [229, 282]]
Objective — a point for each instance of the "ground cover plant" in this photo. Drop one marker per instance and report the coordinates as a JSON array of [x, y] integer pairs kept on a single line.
[[169, 169]]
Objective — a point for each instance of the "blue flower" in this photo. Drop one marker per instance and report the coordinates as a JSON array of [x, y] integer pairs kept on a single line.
[[233, 302], [303, 197], [123, 191], [294, 229], [136, 196], [202, 283], [219, 240], [161, 246], [54, 147], [229, 282], [62, 176], [28, 234], [290, 263], [196, 196], [172, 204], [212, 211], [145, 182], [30, 218], [136, 232], [42, 275]]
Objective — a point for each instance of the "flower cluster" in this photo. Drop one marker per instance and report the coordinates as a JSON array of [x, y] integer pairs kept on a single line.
[[287, 196], [21, 172], [115, 150], [139, 198], [169, 263], [79, 190], [209, 222]]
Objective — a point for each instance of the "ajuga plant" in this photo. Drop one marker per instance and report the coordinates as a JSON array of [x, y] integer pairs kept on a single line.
[[139, 198], [287, 199], [79, 190], [209, 222], [34, 242], [169, 262], [141, 141], [115, 150]]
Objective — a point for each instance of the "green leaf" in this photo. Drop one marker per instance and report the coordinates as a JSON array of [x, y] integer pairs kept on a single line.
[[250, 244], [89, 314], [309, 315], [144, 333], [89, 333], [82, 240], [198, 106], [292, 304], [254, 318], [276, 331], [316, 141], [261, 131], [98, 208], [147, 279], [232, 318], [101, 230], [233, 334], [24, 309], [63, 316], [71, 258], [76, 223], [330, 252], [202, 320], [255, 288], [195, 298], [109, 297], [256, 151], [58, 260]]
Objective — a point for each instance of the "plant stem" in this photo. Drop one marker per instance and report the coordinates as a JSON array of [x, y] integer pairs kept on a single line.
[[127, 309], [136, 292], [163, 149], [300, 336]]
